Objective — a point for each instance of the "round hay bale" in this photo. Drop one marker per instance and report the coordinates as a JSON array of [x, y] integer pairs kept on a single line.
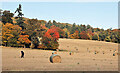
[[113, 54], [89, 51], [103, 52], [76, 49], [67, 46], [55, 58], [71, 53], [95, 53], [54, 52], [116, 53]]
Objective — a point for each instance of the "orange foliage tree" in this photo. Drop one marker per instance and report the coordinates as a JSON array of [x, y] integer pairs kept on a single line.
[[90, 34], [23, 39], [59, 30], [75, 35], [50, 39], [84, 35]]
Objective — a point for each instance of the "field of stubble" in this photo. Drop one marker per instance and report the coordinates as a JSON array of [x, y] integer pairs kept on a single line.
[[83, 59]]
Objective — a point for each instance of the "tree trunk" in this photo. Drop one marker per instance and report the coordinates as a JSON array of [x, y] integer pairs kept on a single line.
[[5, 44], [31, 45], [24, 46]]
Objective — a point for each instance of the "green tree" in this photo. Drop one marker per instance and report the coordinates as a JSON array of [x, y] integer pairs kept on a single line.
[[88, 26], [95, 37], [49, 24], [54, 23], [73, 28], [7, 17], [20, 22]]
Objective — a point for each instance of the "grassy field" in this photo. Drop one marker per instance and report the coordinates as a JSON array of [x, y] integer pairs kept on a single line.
[[83, 59]]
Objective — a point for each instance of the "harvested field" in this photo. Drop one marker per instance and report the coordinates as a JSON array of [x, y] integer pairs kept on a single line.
[[88, 56]]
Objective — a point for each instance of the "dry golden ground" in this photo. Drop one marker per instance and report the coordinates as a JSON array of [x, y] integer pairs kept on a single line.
[[88, 56]]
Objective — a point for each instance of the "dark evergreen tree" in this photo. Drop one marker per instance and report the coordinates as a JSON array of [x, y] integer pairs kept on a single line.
[[7, 17]]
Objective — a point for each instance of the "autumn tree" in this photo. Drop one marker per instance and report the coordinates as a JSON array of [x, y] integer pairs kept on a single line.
[[73, 28], [20, 22], [90, 34], [101, 36], [108, 39], [32, 30], [84, 35], [75, 35], [115, 37], [94, 37], [23, 39], [59, 30], [50, 39], [10, 34], [67, 33], [1, 24], [82, 27]]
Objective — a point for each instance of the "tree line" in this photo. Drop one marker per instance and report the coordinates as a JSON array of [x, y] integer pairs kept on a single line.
[[34, 33]]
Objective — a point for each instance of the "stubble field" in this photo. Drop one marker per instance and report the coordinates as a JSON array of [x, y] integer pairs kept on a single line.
[[83, 58]]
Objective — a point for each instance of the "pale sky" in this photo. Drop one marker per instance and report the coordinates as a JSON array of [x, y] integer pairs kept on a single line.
[[97, 14]]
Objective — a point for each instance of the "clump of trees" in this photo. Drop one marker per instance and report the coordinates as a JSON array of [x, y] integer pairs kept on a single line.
[[36, 33]]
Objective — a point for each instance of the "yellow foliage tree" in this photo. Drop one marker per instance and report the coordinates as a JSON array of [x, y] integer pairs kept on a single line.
[[10, 34]]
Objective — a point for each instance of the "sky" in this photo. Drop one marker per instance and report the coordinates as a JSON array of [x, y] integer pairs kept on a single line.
[[97, 14]]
